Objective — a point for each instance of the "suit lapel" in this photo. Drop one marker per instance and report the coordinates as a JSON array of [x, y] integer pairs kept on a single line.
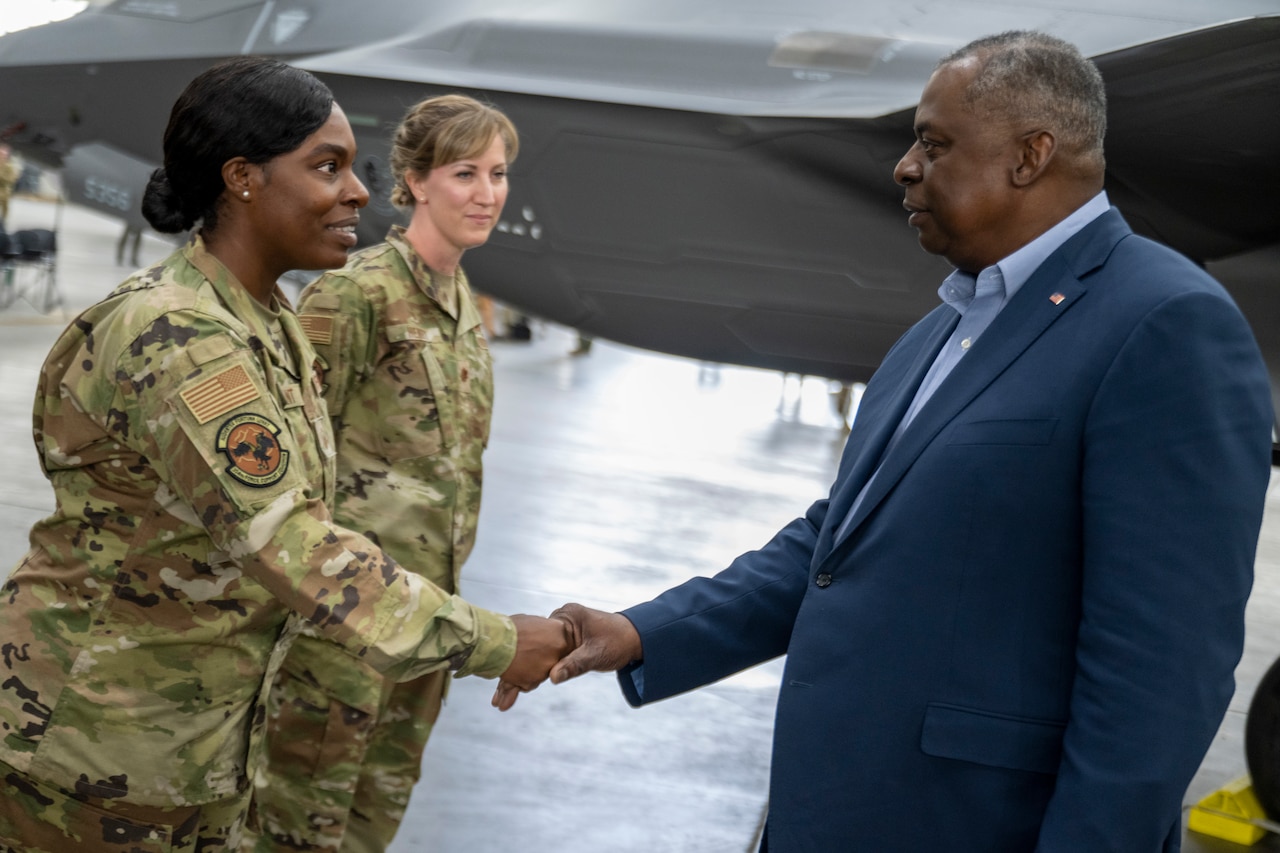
[[1047, 296], [891, 391]]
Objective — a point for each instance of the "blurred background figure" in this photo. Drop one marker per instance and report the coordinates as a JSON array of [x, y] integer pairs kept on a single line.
[[485, 305], [130, 241], [10, 170], [583, 347]]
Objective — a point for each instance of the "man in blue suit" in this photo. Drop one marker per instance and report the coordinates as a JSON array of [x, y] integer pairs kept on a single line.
[[1013, 623]]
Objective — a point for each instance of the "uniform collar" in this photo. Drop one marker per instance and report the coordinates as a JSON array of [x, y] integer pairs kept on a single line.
[[246, 309], [441, 290]]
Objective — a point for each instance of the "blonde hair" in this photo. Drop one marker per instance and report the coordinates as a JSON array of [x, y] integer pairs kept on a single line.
[[443, 130]]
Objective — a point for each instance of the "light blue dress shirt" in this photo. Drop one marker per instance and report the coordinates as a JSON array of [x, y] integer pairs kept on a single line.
[[978, 299]]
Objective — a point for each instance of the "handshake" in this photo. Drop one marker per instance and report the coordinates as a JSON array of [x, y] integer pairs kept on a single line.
[[574, 640]]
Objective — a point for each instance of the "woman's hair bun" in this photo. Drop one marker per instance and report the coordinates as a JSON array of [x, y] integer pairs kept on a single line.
[[162, 207]]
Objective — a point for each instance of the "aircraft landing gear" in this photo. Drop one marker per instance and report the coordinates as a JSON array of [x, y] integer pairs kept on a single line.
[[1262, 741]]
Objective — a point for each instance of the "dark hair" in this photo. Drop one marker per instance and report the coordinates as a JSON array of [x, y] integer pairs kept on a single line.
[[249, 107], [445, 129], [1028, 77]]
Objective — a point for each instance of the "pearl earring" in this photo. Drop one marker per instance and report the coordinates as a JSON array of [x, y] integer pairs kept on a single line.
[[245, 193]]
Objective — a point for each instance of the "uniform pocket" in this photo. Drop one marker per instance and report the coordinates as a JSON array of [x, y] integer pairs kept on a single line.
[[244, 440], [312, 737], [39, 817], [1037, 431], [408, 414], [995, 740]]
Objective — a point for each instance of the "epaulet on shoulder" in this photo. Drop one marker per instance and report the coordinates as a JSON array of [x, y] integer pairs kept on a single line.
[[366, 273], [377, 256], [149, 278], [199, 304], [322, 302], [158, 285], [361, 259]]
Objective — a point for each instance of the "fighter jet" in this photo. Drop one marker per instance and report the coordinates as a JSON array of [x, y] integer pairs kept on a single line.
[[708, 179], [712, 180]]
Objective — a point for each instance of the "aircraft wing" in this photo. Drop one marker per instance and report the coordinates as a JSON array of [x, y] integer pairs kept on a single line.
[[816, 58], [715, 179], [111, 73], [1193, 142], [725, 192]]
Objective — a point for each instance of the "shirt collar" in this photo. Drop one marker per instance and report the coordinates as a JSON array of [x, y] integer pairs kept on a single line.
[[444, 291], [958, 289]]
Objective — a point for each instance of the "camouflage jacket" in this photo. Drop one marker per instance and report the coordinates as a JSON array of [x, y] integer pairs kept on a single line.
[[193, 472], [409, 384]]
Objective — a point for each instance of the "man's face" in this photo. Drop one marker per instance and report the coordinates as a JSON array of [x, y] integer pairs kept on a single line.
[[957, 175]]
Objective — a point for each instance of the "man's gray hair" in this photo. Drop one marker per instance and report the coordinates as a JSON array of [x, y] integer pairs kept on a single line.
[[1039, 82]]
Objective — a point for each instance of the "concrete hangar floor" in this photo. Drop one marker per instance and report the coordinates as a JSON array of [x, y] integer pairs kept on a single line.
[[684, 465]]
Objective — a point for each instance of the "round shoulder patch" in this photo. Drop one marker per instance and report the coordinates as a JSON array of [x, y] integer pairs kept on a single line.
[[251, 446]]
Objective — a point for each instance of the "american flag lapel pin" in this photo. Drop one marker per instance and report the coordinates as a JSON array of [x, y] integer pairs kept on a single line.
[[1057, 298]]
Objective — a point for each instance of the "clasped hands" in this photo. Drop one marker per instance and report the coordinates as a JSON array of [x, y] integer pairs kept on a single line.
[[573, 640]]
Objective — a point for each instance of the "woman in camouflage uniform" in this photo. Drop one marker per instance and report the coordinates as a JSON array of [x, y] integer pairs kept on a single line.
[[410, 388], [181, 426]]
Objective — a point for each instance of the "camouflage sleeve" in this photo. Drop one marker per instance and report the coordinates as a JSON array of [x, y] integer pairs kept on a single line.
[[235, 456], [342, 326]]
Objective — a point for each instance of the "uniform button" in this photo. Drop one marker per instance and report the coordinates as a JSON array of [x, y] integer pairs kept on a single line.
[[823, 580]]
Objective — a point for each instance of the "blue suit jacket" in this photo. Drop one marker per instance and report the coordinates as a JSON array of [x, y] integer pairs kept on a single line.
[[1027, 639]]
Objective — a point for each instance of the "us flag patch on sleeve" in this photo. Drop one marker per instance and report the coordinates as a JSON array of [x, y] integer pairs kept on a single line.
[[317, 327], [220, 393]]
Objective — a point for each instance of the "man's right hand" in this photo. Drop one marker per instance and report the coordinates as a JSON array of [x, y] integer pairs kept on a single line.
[[540, 642], [601, 642]]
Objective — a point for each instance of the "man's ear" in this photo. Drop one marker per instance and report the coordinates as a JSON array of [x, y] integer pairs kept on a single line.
[[237, 175], [1036, 151]]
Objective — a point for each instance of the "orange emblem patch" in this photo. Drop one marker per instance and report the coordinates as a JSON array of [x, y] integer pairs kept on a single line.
[[250, 444]]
